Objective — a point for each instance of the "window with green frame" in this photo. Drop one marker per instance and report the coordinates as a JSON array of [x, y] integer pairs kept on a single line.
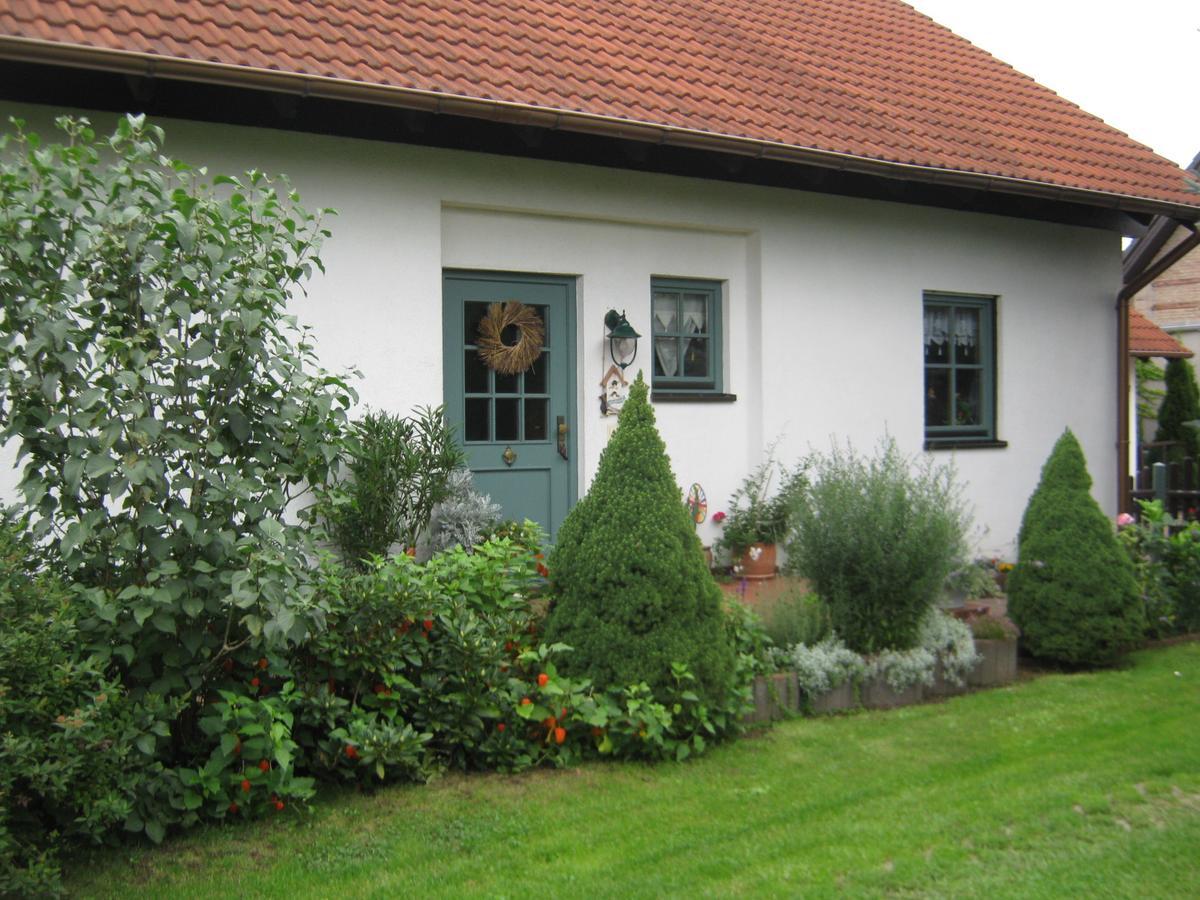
[[686, 321], [960, 368]]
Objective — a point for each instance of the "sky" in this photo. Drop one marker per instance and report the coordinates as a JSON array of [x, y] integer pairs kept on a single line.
[[1135, 65]]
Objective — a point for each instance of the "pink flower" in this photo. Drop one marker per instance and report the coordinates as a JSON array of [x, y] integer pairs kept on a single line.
[[1125, 519], [718, 518]]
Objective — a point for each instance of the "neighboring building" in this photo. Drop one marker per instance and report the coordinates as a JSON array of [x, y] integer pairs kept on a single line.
[[1172, 299], [830, 219], [1148, 342]]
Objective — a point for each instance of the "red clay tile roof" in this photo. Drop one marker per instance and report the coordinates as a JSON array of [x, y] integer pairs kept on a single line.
[[860, 79], [1147, 339]]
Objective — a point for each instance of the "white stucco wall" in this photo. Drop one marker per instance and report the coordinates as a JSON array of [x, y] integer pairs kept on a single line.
[[823, 323]]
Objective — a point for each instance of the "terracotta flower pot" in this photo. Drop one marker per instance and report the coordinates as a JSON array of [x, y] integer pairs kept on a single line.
[[758, 562]]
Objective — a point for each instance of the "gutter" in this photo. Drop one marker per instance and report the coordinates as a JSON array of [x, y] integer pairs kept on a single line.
[[150, 65]]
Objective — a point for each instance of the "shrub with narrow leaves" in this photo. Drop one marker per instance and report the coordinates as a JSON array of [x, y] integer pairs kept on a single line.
[[877, 536]]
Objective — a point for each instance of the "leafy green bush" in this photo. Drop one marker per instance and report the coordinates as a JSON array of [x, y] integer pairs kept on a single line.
[[1073, 592], [797, 617], [417, 663], [1166, 558], [877, 537], [167, 411], [631, 590], [68, 760], [398, 470]]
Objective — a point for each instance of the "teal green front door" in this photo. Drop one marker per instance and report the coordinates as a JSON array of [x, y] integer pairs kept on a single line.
[[518, 429]]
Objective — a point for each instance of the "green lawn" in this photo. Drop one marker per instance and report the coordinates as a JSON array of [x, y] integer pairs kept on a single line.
[[1063, 786]]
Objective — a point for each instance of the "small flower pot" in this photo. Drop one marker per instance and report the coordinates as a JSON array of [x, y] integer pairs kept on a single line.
[[997, 664], [708, 557], [758, 562], [878, 694]]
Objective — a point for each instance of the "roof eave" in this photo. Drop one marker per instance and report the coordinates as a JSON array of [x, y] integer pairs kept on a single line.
[[152, 65]]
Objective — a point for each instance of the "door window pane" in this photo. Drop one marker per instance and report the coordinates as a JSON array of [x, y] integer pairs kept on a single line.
[[473, 314], [508, 420], [475, 377], [535, 419], [477, 425], [535, 375], [507, 384]]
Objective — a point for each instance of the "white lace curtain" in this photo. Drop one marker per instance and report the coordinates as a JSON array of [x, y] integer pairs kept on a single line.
[[938, 327], [666, 350]]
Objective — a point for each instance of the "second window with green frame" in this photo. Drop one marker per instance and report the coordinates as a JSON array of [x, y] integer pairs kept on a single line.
[[960, 368], [686, 321]]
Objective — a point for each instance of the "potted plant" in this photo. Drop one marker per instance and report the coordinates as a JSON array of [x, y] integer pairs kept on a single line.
[[758, 519]]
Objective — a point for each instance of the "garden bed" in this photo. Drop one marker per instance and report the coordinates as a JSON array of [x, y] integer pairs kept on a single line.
[[1049, 789], [778, 695]]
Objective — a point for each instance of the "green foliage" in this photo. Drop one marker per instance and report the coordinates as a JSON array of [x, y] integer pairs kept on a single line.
[[68, 760], [1166, 558], [167, 411], [1180, 406], [417, 663], [758, 515], [797, 617], [877, 537], [464, 516], [1073, 592], [250, 770], [631, 590], [166, 407], [973, 580], [1066, 469], [399, 469], [1149, 397]]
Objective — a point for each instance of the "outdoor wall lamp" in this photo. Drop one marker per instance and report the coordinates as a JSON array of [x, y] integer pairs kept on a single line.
[[622, 339]]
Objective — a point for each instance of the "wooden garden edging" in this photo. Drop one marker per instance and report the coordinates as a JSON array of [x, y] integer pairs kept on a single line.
[[779, 694]]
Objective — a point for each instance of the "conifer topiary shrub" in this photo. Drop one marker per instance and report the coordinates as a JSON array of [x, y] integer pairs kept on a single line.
[[1073, 591], [632, 592]]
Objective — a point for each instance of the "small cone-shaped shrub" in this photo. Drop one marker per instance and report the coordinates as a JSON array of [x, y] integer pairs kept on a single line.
[[632, 592], [1180, 405], [1066, 468], [1073, 591]]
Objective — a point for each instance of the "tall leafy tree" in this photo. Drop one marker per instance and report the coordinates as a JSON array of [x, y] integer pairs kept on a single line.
[[166, 407]]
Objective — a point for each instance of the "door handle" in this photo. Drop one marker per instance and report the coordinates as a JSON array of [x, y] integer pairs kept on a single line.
[[563, 429]]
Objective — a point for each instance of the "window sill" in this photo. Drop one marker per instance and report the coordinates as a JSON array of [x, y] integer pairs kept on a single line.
[[966, 444], [691, 397]]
